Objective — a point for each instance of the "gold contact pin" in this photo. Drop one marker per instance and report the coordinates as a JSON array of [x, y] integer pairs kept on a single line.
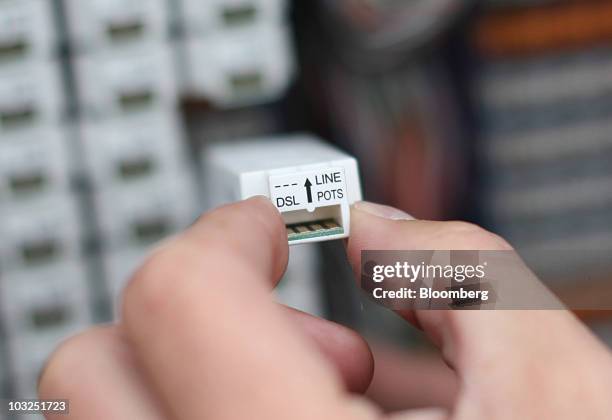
[[330, 224], [313, 229]]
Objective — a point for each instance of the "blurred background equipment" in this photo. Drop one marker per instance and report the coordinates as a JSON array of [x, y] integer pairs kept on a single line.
[[493, 111]]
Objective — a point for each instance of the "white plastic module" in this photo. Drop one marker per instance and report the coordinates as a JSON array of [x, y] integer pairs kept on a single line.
[[95, 24], [27, 31], [31, 96], [126, 81], [138, 216], [128, 151], [203, 17], [47, 301], [311, 183], [39, 233], [241, 67], [33, 164], [27, 356], [40, 308]]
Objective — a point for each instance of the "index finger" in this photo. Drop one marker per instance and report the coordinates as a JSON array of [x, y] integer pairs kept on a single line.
[[200, 317]]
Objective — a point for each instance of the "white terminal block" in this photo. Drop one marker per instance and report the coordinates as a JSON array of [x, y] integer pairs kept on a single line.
[[203, 17], [31, 96], [311, 183], [48, 301], [241, 67], [40, 308], [27, 30], [140, 215], [121, 152], [39, 233], [95, 24], [33, 164], [27, 356], [126, 81]]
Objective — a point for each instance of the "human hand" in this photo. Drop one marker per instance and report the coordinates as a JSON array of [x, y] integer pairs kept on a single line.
[[511, 364], [201, 337]]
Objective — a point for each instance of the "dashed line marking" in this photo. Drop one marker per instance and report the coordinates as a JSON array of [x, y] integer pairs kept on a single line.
[[286, 185]]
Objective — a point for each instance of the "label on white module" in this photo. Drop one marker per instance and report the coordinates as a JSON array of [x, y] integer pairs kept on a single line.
[[308, 190]]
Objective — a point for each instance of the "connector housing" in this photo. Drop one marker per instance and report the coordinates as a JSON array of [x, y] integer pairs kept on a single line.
[[311, 183]]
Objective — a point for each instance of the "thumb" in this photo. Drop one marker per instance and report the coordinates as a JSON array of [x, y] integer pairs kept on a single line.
[[494, 352]]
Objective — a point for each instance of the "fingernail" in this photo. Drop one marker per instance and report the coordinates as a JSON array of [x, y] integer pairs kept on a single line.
[[386, 212]]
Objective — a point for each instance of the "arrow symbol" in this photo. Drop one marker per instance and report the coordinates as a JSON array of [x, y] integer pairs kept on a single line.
[[308, 185]]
